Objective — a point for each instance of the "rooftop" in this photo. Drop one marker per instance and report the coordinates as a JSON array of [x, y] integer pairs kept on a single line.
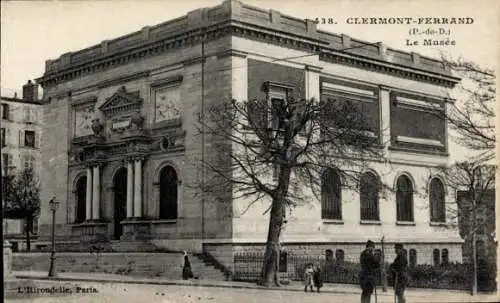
[[234, 17], [20, 100]]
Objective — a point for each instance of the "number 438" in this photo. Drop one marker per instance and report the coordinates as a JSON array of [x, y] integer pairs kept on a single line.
[[325, 21]]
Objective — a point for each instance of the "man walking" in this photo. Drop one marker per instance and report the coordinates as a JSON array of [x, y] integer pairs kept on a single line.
[[399, 270], [369, 266]]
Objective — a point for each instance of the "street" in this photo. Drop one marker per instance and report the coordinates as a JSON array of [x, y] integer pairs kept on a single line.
[[118, 292]]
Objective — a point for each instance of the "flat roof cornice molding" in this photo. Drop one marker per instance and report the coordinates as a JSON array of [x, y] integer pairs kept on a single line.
[[237, 19]]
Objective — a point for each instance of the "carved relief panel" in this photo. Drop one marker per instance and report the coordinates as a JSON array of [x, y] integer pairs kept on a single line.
[[84, 114], [167, 100]]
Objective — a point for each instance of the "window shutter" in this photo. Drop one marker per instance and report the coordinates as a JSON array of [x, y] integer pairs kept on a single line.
[[21, 143]]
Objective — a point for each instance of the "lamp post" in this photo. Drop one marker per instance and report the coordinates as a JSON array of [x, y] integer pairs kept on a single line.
[[53, 204]]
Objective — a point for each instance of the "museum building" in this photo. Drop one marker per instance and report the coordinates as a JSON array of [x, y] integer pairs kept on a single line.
[[121, 146]]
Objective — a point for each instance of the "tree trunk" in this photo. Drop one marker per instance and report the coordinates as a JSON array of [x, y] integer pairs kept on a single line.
[[29, 223], [271, 256], [474, 254]]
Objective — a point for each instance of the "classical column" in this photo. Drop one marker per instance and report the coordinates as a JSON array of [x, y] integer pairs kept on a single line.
[[96, 197], [88, 197], [385, 116], [312, 91], [138, 188], [130, 189]]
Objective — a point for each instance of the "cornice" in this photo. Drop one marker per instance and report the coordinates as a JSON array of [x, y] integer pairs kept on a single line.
[[167, 81], [248, 31], [123, 79], [84, 101], [232, 53], [390, 68]]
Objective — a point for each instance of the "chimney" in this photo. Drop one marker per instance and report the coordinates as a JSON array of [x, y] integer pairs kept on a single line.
[[30, 91]]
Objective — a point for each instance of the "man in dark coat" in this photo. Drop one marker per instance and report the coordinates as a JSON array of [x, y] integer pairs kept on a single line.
[[399, 270], [369, 266], [317, 277]]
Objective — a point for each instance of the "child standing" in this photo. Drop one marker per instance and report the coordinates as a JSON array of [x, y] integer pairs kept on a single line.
[[308, 277]]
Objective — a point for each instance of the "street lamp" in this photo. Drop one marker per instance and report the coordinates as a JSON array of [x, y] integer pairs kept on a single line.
[[53, 204]]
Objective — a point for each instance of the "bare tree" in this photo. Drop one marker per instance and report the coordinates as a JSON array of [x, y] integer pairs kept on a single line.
[[472, 116], [279, 150], [473, 182], [22, 199]]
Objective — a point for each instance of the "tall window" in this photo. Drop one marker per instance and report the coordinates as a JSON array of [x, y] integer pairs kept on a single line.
[[404, 199], [369, 197], [5, 111], [436, 201], [81, 199], [277, 113], [436, 257], [445, 256], [168, 193], [29, 138], [4, 137], [413, 257], [331, 195]]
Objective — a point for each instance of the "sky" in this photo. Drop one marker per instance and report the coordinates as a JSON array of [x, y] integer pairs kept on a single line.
[[34, 31]]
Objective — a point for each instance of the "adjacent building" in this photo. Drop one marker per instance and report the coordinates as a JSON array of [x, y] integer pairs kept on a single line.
[[483, 232], [21, 129], [121, 146]]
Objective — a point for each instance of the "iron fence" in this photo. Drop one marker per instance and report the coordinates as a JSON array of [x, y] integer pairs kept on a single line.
[[248, 266]]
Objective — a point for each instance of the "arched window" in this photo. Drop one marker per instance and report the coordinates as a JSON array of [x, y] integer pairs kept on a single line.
[[436, 201], [339, 255], [404, 199], [331, 197], [81, 199], [444, 256], [369, 197], [413, 257], [168, 193], [436, 257], [329, 255]]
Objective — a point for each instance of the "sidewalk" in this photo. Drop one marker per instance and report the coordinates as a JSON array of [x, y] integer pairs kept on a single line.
[[432, 294]]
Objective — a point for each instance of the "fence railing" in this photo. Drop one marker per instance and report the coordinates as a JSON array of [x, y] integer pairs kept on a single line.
[[248, 266]]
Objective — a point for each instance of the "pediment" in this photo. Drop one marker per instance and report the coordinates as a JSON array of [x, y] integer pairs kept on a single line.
[[121, 101]]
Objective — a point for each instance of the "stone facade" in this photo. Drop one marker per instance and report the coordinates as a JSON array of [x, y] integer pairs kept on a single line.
[[21, 136], [201, 59]]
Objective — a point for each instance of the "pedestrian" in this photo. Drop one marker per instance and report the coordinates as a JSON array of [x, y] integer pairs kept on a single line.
[[187, 273], [308, 277], [399, 270], [369, 266], [317, 277]]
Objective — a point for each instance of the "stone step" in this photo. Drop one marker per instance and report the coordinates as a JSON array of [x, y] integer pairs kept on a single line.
[[167, 265]]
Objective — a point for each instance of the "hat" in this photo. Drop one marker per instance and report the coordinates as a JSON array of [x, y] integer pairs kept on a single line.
[[398, 245], [370, 243]]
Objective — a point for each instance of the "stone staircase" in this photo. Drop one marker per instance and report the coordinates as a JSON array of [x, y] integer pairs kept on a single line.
[[166, 265]]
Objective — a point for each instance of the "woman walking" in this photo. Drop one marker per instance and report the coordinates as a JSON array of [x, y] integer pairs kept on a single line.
[[187, 273]]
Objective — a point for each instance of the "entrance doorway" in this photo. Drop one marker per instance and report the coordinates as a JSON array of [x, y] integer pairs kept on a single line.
[[120, 188]]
